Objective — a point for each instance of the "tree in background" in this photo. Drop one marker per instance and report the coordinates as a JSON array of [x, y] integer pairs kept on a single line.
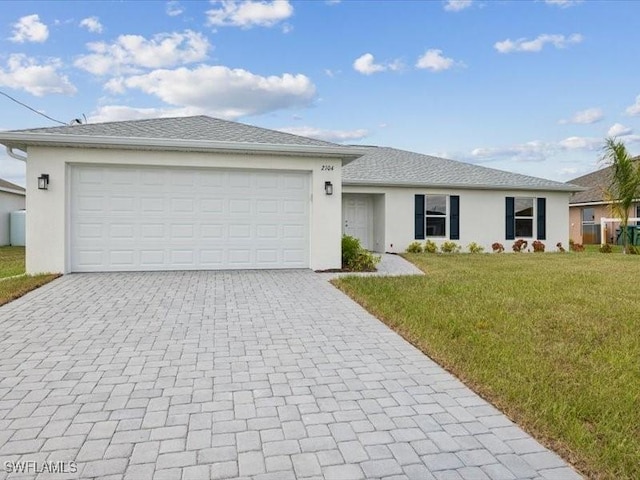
[[624, 186]]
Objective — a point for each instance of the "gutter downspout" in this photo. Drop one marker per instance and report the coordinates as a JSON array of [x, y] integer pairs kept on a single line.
[[12, 154]]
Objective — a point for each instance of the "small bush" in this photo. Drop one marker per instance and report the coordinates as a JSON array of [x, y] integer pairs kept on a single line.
[[605, 248], [350, 248], [355, 258], [538, 246], [414, 247], [560, 247], [576, 247], [450, 247], [497, 247], [475, 248], [633, 250], [430, 247], [519, 245]]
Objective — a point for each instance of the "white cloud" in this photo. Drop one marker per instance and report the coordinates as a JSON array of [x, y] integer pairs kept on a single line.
[[534, 151], [563, 3], [433, 60], [130, 52], [332, 2], [117, 113], [30, 29], [619, 130], [221, 91], [457, 5], [580, 143], [249, 13], [635, 108], [174, 8], [92, 24], [338, 136], [538, 43], [366, 64], [585, 117], [24, 73]]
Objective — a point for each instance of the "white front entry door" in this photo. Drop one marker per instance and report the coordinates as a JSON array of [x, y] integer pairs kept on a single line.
[[157, 218], [357, 218]]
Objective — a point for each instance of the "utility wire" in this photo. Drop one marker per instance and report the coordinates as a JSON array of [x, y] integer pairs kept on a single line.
[[32, 109]]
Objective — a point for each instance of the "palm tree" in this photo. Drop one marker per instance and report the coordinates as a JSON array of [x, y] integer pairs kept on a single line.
[[624, 186]]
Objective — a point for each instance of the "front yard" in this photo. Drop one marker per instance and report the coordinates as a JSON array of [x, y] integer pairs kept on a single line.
[[13, 282], [553, 340]]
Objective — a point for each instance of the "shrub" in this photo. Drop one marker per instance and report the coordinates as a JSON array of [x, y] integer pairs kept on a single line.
[[605, 248], [350, 248], [449, 247], [355, 258], [576, 247], [430, 247], [475, 248], [414, 247], [560, 247], [497, 247], [633, 250], [519, 245], [538, 246]]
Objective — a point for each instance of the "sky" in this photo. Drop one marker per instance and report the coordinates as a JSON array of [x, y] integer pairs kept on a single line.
[[532, 87]]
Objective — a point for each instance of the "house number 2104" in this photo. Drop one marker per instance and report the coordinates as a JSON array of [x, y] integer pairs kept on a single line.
[[327, 167]]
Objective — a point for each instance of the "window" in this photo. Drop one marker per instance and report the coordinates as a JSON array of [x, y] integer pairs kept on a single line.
[[523, 217], [520, 214], [590, 231], [436, 215]]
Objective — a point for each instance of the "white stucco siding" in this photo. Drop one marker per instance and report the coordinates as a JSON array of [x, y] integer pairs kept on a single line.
[[9, 202], [48, 221], [482, 216]]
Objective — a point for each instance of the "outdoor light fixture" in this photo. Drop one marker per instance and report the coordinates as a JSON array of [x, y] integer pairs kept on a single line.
[[43, 181], [328, 188]]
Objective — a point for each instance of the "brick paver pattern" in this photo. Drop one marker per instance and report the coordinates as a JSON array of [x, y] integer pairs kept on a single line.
[[257, 375]]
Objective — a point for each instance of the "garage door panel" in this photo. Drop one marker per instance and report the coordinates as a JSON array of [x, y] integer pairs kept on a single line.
[[149, 218]]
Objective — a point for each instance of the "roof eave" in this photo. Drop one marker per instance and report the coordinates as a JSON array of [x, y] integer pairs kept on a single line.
[[464, 186], [23, 140], [11, 190]]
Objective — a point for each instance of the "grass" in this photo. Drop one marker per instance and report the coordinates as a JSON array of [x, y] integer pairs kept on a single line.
[[11, 261], [12, 265], [553, 340]]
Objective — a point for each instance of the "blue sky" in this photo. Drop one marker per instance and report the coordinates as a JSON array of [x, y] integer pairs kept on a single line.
[[530, 87]]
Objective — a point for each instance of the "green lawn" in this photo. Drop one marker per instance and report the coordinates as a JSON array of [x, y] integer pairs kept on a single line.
[[551, 339], [12, 264]]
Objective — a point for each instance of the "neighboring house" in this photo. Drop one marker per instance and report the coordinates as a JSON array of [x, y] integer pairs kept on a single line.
[[588, 207], [12, 198], [202, 193]]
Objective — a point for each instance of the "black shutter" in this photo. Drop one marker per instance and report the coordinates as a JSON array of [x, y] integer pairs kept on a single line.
[[419, 224], [542, 218], [454, 218], [510, 233]]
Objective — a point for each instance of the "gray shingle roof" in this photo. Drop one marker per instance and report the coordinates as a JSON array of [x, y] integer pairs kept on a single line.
[[183, 128], [10, 186], [389, 166], [594, 184]]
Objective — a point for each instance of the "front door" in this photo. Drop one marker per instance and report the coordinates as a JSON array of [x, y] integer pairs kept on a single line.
[[356, 218]]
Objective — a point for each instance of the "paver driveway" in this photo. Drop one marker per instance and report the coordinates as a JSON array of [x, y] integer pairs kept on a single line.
[[264, 375]]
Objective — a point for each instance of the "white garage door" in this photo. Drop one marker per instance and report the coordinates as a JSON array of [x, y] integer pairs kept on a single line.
[[147, 218]]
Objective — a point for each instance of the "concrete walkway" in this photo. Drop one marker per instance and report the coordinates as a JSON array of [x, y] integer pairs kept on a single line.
[[390, 265], [257, 375]]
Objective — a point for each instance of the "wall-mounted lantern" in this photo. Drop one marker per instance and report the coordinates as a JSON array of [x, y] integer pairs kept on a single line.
[[43, 181], [328, 188]]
